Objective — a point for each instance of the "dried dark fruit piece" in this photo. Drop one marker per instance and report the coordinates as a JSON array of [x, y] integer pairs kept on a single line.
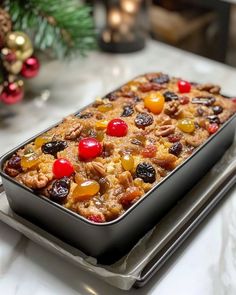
[[184, 100], [176, 148], [53, 147], [217, 110], [59, 190], [162, 79], [104, 185], [136, 99], [146, 172], [207, 101], [86, 115], [143, 120], [13, 167], [169, 96], [127, 111], [174, 137], [214, 119], [14, 163], [112, 96]]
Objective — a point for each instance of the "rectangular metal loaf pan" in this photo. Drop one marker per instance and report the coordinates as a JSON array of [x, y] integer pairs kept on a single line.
[[111, 240]]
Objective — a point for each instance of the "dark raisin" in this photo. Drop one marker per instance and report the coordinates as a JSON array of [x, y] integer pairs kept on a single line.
[[214, 119], [104, 185], [127, 111], [60, 189], [174, 137], [111, 96], [200, 111], [136, 99], [86, 115], [146, 172], [169, 96], [14, 163], [217, 110], [53, 147], [176, 148], [162, 79], [207, 101], [13, 167], [143, 120]]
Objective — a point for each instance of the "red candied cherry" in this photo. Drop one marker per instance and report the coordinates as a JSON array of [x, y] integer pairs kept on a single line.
[[62, 167], [117, 127], [96, 218], [184, 86], [89, 148], [234, 100], [212, 128]]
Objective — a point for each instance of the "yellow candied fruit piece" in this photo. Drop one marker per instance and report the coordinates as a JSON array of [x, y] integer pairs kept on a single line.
[[127, 162], [101, 124], [100, 135], [186, 125], [85, 190], [154, 102], [29, 160], [41, 140], [105, 107]]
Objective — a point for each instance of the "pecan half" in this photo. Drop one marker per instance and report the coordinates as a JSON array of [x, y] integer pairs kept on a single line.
[[95, 169], [197, 139], [125, 179], [212, 88], [74, 131], [172, 108], [165, 160], [165, 130]]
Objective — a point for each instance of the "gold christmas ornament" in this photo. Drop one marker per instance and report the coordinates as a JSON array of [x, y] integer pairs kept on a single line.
[[20, 43], [14, 67]]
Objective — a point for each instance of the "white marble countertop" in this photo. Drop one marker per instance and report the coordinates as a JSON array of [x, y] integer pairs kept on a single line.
[[206, 264]]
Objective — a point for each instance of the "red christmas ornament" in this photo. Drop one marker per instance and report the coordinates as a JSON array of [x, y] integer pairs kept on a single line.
[[12, 93], [30, 67]]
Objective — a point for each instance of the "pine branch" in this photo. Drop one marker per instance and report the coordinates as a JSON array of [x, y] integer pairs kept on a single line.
[[65, 26]]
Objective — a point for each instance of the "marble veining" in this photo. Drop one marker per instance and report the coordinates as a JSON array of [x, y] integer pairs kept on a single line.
[[205, 265]]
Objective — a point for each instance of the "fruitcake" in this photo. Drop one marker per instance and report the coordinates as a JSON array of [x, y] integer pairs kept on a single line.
[[100, 161]]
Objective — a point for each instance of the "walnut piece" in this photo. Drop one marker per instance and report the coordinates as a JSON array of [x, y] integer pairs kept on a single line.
[[95, 169], [74, 131], [172, 108], [125, 179], [165, 130], [35, 179]]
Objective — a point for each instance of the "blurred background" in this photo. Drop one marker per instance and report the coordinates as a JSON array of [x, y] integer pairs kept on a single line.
[[207, 28]]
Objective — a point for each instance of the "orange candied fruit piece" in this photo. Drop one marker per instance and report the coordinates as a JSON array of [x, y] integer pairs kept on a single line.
[[105, 107], [149, 151], [85, 190], [41, 140], [154, 102], [101, 124]]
